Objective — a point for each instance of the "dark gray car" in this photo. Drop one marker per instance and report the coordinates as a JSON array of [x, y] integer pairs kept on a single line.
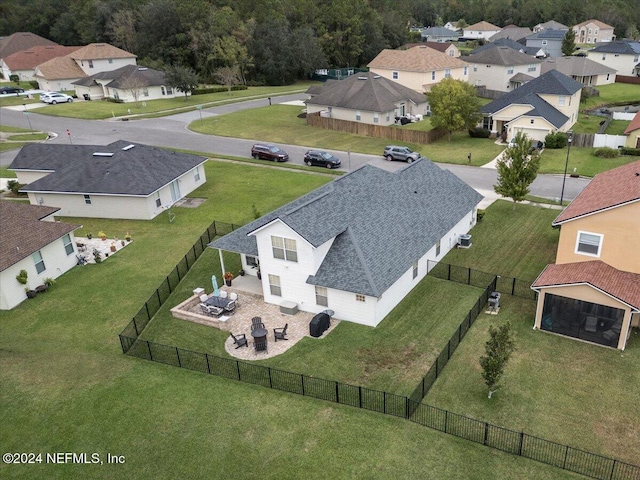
[[405, 154]]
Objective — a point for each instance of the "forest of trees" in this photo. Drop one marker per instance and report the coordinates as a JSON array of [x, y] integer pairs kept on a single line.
[[278, 41]]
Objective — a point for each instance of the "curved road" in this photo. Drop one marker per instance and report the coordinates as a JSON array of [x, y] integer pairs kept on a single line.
[[171, 131]]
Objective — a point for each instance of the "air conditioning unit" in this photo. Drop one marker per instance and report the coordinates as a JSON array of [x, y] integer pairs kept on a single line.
[[464, 241]]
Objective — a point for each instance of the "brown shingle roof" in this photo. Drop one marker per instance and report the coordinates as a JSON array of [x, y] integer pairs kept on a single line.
[[31, 58], [97, 51], [23, 232], [634, 125], [607, 189], [60, 68], [482, 26], [416, 59], [21, 41], [597, 23], [625, 286]]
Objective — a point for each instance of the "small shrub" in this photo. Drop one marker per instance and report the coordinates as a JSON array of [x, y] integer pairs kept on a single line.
[[479, 132], [480, 214], [49, 281], [15, 187], [14, 78], [202, 91], [115, 100], [22, 277], [630, 151], [556, 140], [606, 152], [34, 84]]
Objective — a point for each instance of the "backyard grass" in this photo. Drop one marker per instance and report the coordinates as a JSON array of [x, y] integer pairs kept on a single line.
[[613, 93], [6, 173], [582, 161], [556, 388], [66, 387], [617, 127]]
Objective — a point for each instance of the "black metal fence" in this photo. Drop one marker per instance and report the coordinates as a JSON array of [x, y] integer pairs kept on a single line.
[[510, 441], [171, 281]]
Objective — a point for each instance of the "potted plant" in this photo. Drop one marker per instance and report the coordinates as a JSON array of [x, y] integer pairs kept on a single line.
[[22, 277], [89, 236], [259, 274], [127, 237], [96, 255], [113, 246], [241, 272], [102, 235], [30, 293], [122, 242], [228, 276]]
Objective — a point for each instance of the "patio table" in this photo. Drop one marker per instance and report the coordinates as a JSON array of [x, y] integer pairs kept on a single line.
[[218, 301]]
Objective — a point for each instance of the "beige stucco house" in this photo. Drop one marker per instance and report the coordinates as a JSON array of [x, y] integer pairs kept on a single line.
[[581, 69], [592, 292], [502, 68], [418, 68], [623, 56], [31, 240], [544, 105], [633, 132], [366, 98], [481, 30], [593, 31], [120, 180], [24, 62]]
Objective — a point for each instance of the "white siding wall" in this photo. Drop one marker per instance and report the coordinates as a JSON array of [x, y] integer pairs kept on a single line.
[[56, 263], [103, 65], [495, 77], [56, 85], [417, 80], [623, 64], [30, 177]]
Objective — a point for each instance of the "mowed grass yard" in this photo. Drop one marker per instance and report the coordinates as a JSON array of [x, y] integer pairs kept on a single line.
[[66, 387]]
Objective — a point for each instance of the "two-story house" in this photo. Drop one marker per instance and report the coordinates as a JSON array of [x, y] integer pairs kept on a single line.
[[501, 68], [418, 68], [366, 98], [481, 30], [581, 69], [550, 25], [24, 62], [592, 292], [633, 132], [623, 56], [359, 244], [593, 31], [549, 41], [544, 105]]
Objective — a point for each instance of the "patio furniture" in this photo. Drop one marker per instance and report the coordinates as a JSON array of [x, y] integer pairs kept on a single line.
[[591, 324], [81, 260], [218, 302], [281, 333], [81, 247], [223, 294], [234, 296], [204, 297], [256, 322], [240, 340], [211, 310], [231, 306], [198, 291]]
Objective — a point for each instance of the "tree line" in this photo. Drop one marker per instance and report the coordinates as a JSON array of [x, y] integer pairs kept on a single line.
[[278, 41]]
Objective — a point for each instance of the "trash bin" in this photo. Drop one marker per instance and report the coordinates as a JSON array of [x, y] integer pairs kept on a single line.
[[86, 96]]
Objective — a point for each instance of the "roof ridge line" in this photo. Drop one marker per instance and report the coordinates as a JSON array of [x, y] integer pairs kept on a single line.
[[364, 264]]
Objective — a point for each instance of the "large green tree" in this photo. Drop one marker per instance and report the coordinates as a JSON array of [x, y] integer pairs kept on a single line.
[[183, 78], [517, 169], [454, 104], [569, 42]]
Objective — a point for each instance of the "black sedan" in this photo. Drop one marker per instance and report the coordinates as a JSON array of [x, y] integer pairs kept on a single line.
[[321, 159], [7, 90]]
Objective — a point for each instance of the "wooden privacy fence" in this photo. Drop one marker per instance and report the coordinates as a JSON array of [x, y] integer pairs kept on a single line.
[[397, 134], [627, 79]]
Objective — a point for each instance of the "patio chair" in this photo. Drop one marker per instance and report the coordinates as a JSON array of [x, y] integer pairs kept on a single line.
[[281, 333], [223, 294], [260, 344], [204, 297], [256, 322], [231, 306], [81, 260], [234, 296], [240, 340], [210, 310]]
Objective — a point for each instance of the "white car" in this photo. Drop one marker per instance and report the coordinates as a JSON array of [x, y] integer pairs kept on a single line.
[[43, 96], [53, 98]]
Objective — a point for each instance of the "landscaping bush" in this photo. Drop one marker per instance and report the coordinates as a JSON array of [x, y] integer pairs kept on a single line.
[[14, 78], [606, 152], [202, 91], [34, 84], [113, 100], [556, 140], [479, 132], [14, 186], [630, 151]]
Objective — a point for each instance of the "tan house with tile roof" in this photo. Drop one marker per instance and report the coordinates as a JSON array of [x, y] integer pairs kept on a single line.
[[24, 62], [31, 240], [58, 74], [484, 30], [418, 68], [633, 132], [592, 292], [593, 31], [19, 41], [502, 68]]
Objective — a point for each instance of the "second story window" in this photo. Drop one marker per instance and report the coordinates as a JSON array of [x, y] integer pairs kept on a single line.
[[561, 100], [532, 67], [87, 199], [395, 75], [510, 69], [284, 248], [196, 174], [589, 243], [90, 63], [433, 75]]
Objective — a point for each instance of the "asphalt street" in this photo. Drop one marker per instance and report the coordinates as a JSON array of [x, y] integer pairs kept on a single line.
[[172, 132]]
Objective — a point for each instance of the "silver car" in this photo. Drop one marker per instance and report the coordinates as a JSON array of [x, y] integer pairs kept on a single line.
[[405, 154], [53, 98]]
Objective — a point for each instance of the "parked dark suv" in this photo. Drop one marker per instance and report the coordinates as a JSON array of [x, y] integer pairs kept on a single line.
[[321, 159], [7, 90], [269, 152], [394, 152]]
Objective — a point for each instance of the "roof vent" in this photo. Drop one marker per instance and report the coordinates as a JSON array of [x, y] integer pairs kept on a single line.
[[102, 154], [142, 69], [362, 78], [376, 76], [128, 147]]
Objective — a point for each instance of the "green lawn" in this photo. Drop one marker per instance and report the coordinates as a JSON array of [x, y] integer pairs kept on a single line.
[[66, 387], [617, 127], [581, 161], [556, 388], [614, 93]]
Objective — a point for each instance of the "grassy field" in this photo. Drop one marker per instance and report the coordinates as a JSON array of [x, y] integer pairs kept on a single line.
[[613, 93], [66, 387], [581, 161], [554, 387]]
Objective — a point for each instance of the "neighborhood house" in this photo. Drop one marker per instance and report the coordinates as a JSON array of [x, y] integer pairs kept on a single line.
[[352, 248]]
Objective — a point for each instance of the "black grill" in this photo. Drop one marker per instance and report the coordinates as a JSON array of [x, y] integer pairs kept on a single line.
[[319, 324]]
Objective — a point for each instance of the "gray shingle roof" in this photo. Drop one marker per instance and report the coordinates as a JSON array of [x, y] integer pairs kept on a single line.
[[382, 222], [501, 56], [549, 34], [143, 76], [502, 42], [138, 171], [575, 66], [368, 92], [625, 47], [513, 33]]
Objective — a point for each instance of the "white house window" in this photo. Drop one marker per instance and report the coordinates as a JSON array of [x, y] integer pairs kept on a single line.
[[544, 42], [595, 32], [561, 100], [158, 201], [438, 249], [284, 248], [447, 73], [475, 68], [358, 115], [145, 91], [451, 53], [589, 31], [433, 75], [169, 91], [589, 243], [531, 121], [588, 39], [87, 199], [608, 75], [388, 117], [466, 71], [415, 270], [532, 67], [635, 59], [162, 89], [375, 117], [395, 75], [252, 261], [39, 262], [359, 298], [68, 245], [111, 60], [604, 55], [90, 63], [274, 285], [196, 174], [510, 69], [321, 296]]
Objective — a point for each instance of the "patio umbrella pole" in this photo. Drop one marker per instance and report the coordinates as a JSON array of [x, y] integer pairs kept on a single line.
[[221, 263]]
